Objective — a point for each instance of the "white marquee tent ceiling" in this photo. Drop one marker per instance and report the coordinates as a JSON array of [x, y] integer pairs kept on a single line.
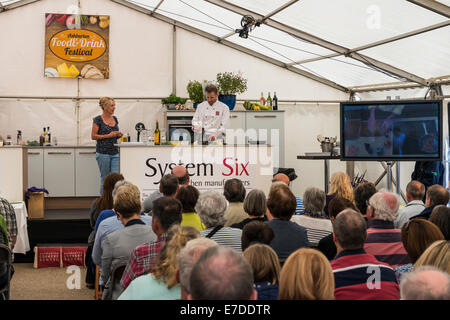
[[348, 44]]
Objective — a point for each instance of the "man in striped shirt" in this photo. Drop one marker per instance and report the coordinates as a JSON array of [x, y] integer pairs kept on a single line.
[[383, 240], [357, 274]]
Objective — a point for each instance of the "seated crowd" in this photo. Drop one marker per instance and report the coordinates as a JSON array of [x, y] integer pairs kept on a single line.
[[349, 244], [236, 245]]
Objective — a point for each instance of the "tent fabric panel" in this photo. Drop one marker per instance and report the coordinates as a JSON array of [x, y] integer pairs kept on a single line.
[[201, 15], [426, 55], [352, 23], [346, 71]]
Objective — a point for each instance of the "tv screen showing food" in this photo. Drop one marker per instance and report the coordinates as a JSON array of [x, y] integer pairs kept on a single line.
[[391, 130]]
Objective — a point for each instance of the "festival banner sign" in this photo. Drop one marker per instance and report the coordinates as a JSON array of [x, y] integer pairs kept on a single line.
[[76, 46]]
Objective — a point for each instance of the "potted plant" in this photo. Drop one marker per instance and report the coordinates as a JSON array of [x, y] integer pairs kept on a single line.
[[171, 101], [229, 84], [195, 91]]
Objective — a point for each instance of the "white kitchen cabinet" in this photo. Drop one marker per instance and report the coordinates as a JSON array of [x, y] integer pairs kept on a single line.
[[36, 168], [59, 172], [237, 124], [87, 174], [267, 127]]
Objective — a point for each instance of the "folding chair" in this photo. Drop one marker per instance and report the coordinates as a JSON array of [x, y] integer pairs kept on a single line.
[[6, 257]]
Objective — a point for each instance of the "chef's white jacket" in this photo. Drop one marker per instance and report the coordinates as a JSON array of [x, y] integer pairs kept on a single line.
[[213, 119]]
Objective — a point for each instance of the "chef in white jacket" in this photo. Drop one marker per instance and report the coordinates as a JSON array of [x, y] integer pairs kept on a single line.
[[211, 115]]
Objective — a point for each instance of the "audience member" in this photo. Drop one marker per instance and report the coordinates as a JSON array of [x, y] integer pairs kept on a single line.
[[441, 218], [104, 202], [340, 186], [354, 269], [162, 283], [281, 177], [221, 273], [383, 240], [107, 213], [211, 207], [109, 223], [234, 191], [306, 275], [118, 245], [362, 194], [255, 205], [266, 270], [4, 241], [289, 236], [313, 219], [256, 232], [326, 244], [142, 258], [436, 195], [417, 235], [188, 196], [425, 283], [8, 213], [415, 191], [168, 187], [436, 255], [186, 259]]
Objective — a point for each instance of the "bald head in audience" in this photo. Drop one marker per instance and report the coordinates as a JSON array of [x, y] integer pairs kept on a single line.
[[349, 230], [221, 273], [436, 195], [282, 178], [182, 174], [383, 205], [425, 283]]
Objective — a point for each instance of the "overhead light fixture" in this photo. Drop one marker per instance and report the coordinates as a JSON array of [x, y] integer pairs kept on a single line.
[[248, 23]]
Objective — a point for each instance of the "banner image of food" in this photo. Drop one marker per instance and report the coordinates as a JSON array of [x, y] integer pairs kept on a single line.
[[76, 46]]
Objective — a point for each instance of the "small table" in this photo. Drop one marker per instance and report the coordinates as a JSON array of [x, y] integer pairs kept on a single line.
[[22, 243], [326, 159]]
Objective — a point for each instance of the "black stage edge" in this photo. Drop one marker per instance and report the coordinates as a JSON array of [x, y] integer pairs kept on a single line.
[[60, 227]]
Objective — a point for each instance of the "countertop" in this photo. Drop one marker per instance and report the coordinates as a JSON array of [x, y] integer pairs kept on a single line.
[[48, 147], [141, 145]]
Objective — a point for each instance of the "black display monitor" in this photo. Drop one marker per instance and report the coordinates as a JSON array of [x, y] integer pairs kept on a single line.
[[391, 130]]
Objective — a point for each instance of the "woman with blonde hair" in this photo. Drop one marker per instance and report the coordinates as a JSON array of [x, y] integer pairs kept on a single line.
[[162, 283], [306, 275], [340, 186], [436, 255], [105, 130], [266, 270]]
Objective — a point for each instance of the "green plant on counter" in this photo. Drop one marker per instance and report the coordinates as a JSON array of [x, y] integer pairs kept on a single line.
[[173, 99], [195, 91], [229, 83], [33, 143]]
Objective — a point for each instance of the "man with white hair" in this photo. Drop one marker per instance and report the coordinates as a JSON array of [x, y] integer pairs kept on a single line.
[[383, 240], [187, 258], [425, 283]]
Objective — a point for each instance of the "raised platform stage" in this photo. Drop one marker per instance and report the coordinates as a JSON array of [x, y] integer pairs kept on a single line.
[[59, 227]]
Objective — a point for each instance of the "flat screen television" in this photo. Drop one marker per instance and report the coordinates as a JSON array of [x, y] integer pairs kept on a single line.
[[391, 130]]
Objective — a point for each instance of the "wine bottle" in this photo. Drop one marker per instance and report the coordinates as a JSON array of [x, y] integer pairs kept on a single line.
[[45, 136], [157, 134], [49, 135], [262, 100], [269, 100], [275, 101]]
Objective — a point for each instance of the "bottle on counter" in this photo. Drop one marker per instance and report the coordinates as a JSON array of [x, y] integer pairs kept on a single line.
[[128, 137], [42, 138], [19, 137], [8, 141], [49, 135], [262, 100], [269, 101], [157, 134], [275, 101]]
